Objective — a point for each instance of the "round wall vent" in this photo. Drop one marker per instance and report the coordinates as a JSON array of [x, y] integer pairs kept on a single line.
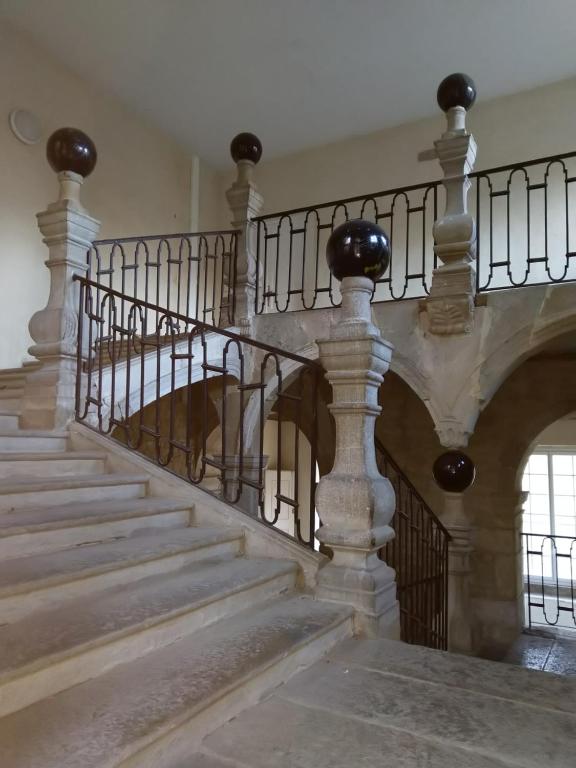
[[25, 126]]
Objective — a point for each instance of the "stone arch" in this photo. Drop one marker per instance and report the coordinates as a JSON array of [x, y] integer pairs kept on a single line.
[[528, 341], [538, 391]]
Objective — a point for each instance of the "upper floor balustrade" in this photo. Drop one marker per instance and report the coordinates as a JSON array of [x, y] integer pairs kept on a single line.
[[525, 216]]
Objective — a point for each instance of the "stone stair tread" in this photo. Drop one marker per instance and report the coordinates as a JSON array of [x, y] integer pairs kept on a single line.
[[48, 635], [485, 724], [36, 519], [52, 456], [29, 484], [281, 734], [38, 571], [34, 433], [476, 675], [100, 723]]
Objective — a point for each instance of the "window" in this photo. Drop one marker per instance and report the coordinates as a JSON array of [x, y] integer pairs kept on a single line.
[[550, 510]]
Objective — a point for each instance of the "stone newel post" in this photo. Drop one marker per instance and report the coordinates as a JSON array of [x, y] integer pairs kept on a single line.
[[355, 503], [454, 472], [68, 231], [450, 305], [245, 203]]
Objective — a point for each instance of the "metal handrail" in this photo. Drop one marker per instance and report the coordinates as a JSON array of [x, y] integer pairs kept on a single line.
[[419, 555], [200, 324], [524, 236], [155, 381]]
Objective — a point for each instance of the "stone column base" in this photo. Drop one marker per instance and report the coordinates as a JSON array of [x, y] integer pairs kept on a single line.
[[49, 400], [370, 590]]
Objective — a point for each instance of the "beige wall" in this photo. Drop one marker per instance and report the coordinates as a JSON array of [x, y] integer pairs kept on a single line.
[[562, 432], [530, 124], [141, 183]]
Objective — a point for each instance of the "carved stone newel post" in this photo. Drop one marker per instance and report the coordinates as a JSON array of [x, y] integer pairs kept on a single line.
[[454, 472], [355, 503], [68, 231], [450, 305], [245, 203]]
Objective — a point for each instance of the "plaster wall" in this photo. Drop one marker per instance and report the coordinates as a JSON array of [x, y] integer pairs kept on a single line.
[[141, 184], [527, 125], [511, 129]]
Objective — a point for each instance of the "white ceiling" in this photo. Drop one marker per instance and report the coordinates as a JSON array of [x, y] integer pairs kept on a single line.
[[298, 72]]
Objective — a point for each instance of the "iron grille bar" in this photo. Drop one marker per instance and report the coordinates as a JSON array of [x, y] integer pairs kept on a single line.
[[195, 399]]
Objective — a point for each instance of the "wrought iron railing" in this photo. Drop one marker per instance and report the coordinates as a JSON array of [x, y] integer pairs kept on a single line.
[[550, 580], [197, 400], [291, 266], [526, 223], [526, 235], [419, 555], [190, 273]]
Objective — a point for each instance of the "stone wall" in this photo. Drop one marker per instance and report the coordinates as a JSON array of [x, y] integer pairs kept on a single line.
[[540, 391]]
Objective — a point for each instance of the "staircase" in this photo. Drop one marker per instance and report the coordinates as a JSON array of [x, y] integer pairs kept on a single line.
[[393, 705], [195, 651], [130, 627]]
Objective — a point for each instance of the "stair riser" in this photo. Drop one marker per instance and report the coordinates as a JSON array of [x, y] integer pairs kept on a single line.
[[42, 542], [9, 420], [9, 401], [12, 379], [23, 443], [51, 467], [10, 502], [13, 607], [175, 741], [58, 676]]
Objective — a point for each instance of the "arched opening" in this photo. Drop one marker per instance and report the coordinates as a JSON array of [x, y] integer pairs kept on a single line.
[[539, 392], [549, 530]]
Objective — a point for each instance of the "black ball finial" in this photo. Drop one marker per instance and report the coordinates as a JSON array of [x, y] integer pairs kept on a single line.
[[457, 90], [358, 248], [454, 471], [246, 146], [69, 149]]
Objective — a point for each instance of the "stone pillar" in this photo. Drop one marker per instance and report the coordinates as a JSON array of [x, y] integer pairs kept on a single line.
[[450, 305], [245, 203], [355, 503], [454, 472], [68, 231]]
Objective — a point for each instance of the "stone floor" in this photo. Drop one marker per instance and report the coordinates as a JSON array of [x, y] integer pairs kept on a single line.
[[546, 651], [381, 704]]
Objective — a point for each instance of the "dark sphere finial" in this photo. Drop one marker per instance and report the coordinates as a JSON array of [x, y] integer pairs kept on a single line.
[[246, 146], [454, 471], [457, 90], [358, 248], [69, 149]]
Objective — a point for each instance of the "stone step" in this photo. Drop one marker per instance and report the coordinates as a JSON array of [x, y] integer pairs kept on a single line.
[[50, 651], [149, 711], [281, 734], [9, 418], [49, 464], [39, 581], [21, 440], [384, 703], [48, 529], [25, 492], [463, 672], [9, 401]]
